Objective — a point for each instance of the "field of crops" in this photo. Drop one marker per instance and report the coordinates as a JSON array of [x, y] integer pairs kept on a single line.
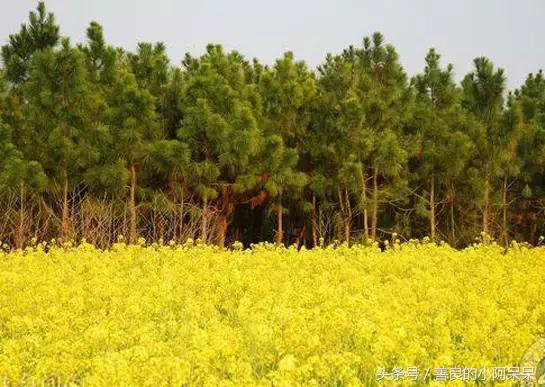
[[200, 315]]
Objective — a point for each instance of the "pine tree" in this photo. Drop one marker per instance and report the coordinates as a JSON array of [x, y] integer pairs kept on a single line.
[[17, 174], [101, 58], [150, 66], [346, 140], [134, 128], [40, 33], [61, 115], [509, 134], [108, 176], [444, 147], [387, 108], [483, 96], [287, 90], [531, 151], [221, 109], [171, 107]]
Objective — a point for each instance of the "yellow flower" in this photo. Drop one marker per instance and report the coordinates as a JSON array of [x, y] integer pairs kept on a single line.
[[201, 315]]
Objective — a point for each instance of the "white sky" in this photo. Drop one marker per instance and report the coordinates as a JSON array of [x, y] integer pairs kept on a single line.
[[511, 33]]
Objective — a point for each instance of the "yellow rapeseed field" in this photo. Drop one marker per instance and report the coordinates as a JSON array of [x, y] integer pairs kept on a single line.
[[199, 315]]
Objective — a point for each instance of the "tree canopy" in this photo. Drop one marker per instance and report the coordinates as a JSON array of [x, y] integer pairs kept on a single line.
[[99, 142]]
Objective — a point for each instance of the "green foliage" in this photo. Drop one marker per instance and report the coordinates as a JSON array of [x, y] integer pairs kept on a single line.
[[352, 149], [101, 58], [483, 96], [131, 117], [531, 99], [444, 145], [288, 89], [61, 112], [222, 109], [440, 128], [40, 33], [15, 170], [150, 66]]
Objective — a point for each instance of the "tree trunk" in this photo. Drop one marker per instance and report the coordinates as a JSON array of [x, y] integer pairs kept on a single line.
[[374, 209], [20, 236], [340, 194], [204, 225], [452, 221], [64, 215], [300, 240], [343, 215], [132, 204], [348, 219], [279, 230], [222, 230], [314, 225], [432, 207], [486, 200], [226, 210], [162, 228], [504, 210], [182, 199], [154, 224], [364, 205]]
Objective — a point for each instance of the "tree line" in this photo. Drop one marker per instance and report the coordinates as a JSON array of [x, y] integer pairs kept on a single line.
[[97, 142]]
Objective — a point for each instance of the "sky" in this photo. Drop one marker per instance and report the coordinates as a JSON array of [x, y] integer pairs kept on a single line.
[[508, 32]]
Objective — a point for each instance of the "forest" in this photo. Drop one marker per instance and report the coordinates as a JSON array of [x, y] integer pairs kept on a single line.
[[98, 143]]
